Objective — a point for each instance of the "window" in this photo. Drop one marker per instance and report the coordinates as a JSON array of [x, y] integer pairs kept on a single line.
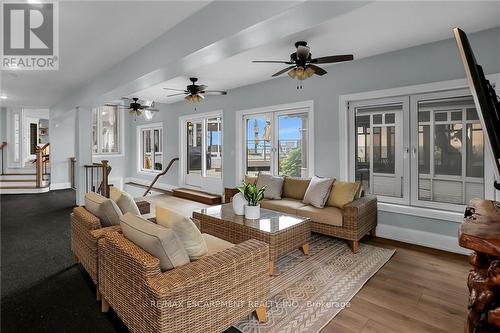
[[151, 148], [425, 150], [451, 151], [277, 143], [105, 130]]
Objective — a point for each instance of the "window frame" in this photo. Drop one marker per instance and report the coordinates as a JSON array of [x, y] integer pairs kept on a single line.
[[415, 201], [119, 128], [276, 111], [140, 146]]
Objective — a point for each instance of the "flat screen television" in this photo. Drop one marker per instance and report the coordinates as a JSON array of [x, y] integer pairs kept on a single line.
[[485, 99]]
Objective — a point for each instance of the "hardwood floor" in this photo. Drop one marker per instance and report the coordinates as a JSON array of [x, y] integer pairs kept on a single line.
[[418, 290]]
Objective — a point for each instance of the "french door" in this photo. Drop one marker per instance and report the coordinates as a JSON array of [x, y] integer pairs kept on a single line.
[[278, 143], [381, 153], [202, 152]]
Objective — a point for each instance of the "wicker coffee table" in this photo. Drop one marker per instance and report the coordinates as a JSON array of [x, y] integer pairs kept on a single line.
[[283, 232]]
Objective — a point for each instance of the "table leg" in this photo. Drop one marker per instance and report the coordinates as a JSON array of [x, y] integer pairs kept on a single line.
[[305, 248], [272, 269]]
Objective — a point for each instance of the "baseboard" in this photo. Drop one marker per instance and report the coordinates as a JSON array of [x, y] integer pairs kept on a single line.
[[59, 186], [145, 182], [422, 238]]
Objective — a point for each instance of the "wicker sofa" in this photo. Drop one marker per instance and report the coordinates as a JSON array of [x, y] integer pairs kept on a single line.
[[351, 222], [206, 295]]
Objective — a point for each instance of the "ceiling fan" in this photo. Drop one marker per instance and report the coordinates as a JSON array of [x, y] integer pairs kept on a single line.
[[194, 92], [136, 108], [303, 65]]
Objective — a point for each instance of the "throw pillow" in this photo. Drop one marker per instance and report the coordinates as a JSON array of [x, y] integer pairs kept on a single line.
[[160, 242], [185, 229], [105, 209], [273, 184], [124, 200], [343, 193], [317, 191], [295, 188]]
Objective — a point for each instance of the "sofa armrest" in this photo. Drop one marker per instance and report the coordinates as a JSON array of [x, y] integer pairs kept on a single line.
[[361, 215], [85, 219], [98, 233]]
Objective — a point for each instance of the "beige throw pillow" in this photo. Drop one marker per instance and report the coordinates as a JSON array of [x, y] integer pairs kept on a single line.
[[185, 229], [317, 191], [343, 193], [124, 200], [105, 209], [273, 184], [160, 242]]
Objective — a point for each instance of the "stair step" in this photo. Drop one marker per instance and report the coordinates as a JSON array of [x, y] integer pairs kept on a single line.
[[154, 189], [23, 189], [198, 196]]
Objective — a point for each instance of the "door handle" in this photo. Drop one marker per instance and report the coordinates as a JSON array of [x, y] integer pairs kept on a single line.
[[414, 152]]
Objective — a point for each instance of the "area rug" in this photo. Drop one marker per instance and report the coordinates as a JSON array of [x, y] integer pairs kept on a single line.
[[309, 291]]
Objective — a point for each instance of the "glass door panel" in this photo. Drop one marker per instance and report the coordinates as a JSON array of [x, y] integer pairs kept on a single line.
[[214, 147], [194, 148], [379, 150], [258, 145], [293, 144]]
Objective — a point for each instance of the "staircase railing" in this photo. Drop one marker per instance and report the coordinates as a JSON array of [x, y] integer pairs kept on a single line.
[[160, 174], [41, 161], [72, 172], [2, 146], [97, 178]]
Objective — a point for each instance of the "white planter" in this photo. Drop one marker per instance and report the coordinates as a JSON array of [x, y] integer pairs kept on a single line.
[[239, 203], [252, 212]]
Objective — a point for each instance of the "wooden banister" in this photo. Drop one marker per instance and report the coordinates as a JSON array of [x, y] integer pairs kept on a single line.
[[160, 174], [40, 155], [97, 178], [2, 145]]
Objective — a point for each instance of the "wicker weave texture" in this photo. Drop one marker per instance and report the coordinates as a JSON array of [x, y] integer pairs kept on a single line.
[[207, 295], [280, 243]]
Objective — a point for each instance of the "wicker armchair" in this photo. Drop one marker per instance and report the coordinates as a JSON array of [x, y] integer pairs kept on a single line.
[[86, 230], [207, 295]]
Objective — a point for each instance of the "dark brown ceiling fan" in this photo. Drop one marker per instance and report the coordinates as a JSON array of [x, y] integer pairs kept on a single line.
[[303, 65], [137, 107], [194, 92]]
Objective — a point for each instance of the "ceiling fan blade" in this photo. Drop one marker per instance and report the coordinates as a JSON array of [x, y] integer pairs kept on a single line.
[[273, 62], [282, 71], [330, 59], [176, 94], [154, 110], [175, 89], [213, 92], [317, 70], [201, 87]]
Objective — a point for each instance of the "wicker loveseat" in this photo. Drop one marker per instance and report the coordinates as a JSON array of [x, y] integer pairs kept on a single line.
[[206, 295], [351, 222]]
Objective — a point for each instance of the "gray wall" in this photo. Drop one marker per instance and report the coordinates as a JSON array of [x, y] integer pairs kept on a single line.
[[3, 124], [417, 65], [62, 129]]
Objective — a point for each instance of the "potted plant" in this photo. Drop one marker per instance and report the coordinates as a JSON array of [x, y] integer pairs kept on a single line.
[[253, 196]]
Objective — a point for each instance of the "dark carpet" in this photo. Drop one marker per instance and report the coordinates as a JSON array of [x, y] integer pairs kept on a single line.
[[42, 290]]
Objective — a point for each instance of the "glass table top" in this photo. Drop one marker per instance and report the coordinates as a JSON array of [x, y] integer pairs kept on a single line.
[[270, 221]]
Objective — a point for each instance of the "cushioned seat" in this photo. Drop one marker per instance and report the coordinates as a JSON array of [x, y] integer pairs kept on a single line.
[[215, 244], [285, 205], [326, 215]]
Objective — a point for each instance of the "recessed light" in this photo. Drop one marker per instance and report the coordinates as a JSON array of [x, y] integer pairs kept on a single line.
[[3, 97]]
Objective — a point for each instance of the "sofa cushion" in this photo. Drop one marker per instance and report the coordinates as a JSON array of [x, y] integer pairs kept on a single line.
[[186, 231], [124, 200], [317, 191], [295, 188], [343, 193], [155, 239], [215, 244], [326, 215], [284, 205], [105, 209], [273, 184]]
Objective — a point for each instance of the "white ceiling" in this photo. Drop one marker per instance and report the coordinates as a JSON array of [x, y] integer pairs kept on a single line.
[[373, 29], [93, 36]]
